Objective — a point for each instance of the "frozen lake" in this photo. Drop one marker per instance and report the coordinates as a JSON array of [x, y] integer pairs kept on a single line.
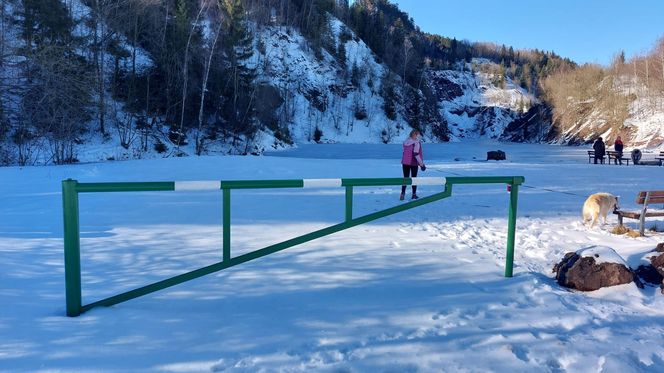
[[420, 291]]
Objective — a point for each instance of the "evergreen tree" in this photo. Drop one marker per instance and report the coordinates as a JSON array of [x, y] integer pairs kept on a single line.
[[389, 94], [56, 97], [238, 106]]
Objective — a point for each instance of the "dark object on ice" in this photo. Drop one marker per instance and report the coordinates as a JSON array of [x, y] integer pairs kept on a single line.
[[497, 155], [586, 275], [636, 156]]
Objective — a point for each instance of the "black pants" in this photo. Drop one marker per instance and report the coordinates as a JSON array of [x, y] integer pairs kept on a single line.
[[600, 159], [409, 171]]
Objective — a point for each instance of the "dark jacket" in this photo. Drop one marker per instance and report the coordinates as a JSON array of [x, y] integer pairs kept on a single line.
[[600, 149], [618, 146]]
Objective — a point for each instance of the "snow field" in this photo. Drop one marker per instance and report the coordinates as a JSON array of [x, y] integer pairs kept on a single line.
[[419, 291]]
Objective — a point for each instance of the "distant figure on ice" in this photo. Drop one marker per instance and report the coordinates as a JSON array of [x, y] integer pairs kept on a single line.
[[618, 146], [600, 150], [412, 157]]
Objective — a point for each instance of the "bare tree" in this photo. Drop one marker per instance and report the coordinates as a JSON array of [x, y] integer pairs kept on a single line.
[[56, 101], [2, 32], [407, 50], [102, 35], [201, 111], [185, 72]]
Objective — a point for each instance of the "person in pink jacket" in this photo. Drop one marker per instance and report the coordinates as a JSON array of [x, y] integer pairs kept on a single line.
[[411, 159]]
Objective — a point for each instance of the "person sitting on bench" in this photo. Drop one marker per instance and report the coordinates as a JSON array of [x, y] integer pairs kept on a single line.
[[600, 150], [618, 146]]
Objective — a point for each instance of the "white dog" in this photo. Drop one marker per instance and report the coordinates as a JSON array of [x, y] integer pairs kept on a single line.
[[599, 204]]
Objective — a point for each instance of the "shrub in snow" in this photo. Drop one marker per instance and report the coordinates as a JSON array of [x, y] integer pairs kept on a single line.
[[593, 268], [318, 134], [160, 147]]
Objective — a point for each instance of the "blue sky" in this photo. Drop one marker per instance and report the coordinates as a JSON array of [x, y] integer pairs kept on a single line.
[[584, 30]]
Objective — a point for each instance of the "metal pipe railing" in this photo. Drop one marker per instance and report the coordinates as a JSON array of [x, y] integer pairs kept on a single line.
[[71, 188]]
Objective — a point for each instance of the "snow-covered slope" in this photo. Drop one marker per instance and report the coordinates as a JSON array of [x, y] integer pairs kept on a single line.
[[643, 124], [319, 93]]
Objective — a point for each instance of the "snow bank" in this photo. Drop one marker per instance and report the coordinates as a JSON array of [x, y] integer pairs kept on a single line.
[[602, 254]]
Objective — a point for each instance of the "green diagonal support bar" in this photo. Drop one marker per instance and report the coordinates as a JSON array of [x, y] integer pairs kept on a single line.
[[263, 252]]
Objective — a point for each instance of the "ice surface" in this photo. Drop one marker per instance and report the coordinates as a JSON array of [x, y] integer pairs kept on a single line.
[[418, 291]]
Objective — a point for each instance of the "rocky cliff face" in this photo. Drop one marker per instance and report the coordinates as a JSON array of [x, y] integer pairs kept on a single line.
[[478, 104]]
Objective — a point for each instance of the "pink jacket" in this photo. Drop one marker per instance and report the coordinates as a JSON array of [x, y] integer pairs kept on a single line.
[[412, 153]]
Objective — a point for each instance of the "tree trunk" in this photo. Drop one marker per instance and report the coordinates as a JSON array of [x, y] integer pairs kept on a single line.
[[661, 56], [199, 140], [102, 83], [185, 74], [2, 32]]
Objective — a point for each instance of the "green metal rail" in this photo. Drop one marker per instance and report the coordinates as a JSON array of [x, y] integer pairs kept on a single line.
[[71, 189]]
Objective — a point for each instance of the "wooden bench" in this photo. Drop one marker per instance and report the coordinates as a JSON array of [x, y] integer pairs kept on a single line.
[[616, 156], [591, 156], [660, 158], [644, 198]]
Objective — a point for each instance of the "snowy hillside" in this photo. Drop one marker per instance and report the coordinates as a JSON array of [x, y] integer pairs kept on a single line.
[[420, 291], [320, 94], [645, 126], [616, 103]]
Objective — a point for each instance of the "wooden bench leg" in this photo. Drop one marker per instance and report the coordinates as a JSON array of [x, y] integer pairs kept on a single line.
[[642, 218]]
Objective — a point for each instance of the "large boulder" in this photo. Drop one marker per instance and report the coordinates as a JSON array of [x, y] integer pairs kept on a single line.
[[593, 268], [660, 247]]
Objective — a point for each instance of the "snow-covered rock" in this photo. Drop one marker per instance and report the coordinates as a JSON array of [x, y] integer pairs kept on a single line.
[[592, 268]]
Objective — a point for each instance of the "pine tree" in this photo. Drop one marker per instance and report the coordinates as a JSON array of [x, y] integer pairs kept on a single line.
[[57, 94], [239, 107]]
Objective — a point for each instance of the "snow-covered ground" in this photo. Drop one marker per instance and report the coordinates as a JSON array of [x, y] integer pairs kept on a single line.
[[418, 291]]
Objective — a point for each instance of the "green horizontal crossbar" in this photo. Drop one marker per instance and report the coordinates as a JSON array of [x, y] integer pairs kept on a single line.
[[513, 180], [125, 187], [270, 184]]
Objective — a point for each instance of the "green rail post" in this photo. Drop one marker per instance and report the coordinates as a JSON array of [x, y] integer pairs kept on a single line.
[[227, 223], [72, 247], [349, 203], [511, 229]]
